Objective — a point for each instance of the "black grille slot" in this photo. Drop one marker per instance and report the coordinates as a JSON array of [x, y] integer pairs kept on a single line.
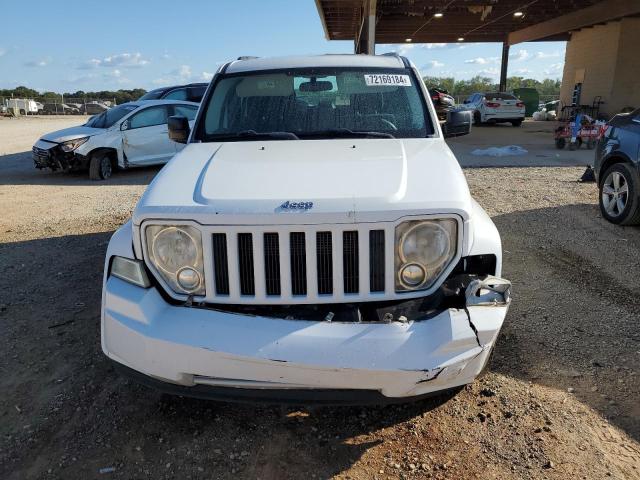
[[245, 264], [298, 263], [272, 263], [350, 261], [220, 263], [376, 260], [324, 258]]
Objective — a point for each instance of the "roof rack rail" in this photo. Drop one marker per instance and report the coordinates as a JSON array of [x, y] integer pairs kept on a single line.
[[247, 57], [404, 60]]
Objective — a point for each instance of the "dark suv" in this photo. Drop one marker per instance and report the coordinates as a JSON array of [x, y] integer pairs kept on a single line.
[[192, 92], [617, 169]]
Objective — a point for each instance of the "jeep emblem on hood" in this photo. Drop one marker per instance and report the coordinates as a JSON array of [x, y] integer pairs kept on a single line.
[[295, 206]]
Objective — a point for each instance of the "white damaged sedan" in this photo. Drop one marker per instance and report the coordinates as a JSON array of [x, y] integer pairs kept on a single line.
[[129, 135], [315, 241]]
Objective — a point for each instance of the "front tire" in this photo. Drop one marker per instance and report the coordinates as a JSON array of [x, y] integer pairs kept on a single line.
[[620, 195], [477, 118], [100, 167]]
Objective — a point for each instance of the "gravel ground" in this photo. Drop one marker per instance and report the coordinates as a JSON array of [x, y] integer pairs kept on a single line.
[[560, 401]]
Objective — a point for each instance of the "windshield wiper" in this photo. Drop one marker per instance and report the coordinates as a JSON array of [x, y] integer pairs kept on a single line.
[[252, 135], [347, 133]]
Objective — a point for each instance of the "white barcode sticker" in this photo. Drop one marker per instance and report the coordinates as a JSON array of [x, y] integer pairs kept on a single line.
[[387, 79]]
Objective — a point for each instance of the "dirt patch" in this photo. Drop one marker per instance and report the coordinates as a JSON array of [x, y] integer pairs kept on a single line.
[[560, 401]]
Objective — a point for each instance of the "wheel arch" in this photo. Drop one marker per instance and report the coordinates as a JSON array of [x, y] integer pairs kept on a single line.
[[112, 152], [616, 157]]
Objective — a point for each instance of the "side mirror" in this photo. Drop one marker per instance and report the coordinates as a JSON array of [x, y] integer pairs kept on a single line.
[[179, 129], [457, 124], [123, 126]]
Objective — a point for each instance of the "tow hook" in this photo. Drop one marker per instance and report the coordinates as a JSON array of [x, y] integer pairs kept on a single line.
[[491, 291]]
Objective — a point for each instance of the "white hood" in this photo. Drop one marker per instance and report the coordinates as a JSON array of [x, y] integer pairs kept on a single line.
[[71, 133], [346, 180]]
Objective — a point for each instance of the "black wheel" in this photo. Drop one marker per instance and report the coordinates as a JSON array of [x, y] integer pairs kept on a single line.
[[23, 111], [477, 118], [575, 145], [560, 143], [100, 167], [620, 195], [516, 123]]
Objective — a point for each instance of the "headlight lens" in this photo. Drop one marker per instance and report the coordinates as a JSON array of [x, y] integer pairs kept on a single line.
[[424, 248], [130, 270], [71, 145], [176, 252]]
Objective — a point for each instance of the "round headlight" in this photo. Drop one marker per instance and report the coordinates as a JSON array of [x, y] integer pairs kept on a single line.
[[413, 275], [173, 248], [427, 244], [188, 279]]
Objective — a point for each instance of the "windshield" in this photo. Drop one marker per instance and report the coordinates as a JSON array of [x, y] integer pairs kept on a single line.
[[111, 116], [315, 103]]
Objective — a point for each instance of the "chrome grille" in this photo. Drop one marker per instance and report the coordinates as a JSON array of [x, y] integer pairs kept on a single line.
[[324, 264]]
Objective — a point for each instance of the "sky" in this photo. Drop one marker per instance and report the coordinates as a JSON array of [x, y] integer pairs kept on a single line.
[[78, 45]]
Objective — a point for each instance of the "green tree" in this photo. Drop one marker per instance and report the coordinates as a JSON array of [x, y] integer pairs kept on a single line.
[[448, 83]]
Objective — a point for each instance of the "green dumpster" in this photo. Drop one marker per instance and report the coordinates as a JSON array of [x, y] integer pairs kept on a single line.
[[530, 97]]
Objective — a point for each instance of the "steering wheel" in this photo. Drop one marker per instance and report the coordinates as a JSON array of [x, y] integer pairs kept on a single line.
[[387, 122]]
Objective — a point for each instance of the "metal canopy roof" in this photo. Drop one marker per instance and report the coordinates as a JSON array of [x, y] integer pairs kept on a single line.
[[473, 20]]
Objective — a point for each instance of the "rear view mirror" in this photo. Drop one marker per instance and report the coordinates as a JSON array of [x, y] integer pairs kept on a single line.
[[457, 124], [179, 129], [321, 86], [124, 125]]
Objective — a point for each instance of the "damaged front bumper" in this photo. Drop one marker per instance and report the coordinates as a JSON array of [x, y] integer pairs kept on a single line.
[[50, 155], [221, 354]]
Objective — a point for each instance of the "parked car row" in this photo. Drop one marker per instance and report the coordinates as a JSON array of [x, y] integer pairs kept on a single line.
[[91, 108]]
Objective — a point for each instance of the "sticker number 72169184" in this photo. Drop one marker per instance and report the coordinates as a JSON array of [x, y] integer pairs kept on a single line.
[[387, 79]]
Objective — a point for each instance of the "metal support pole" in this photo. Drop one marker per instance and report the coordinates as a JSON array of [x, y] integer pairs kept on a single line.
[[365, 41], [504, 66]]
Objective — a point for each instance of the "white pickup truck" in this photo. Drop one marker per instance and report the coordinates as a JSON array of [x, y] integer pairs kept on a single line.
[[315, 240], [24, 106]]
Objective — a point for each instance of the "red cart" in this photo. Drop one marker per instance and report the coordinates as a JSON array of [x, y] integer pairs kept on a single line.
[[588, 134]]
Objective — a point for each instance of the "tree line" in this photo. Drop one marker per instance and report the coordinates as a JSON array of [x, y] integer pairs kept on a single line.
[[479, 83], [120, 96]]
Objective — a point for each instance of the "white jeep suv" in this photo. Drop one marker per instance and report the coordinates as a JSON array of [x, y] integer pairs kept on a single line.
[[314, 241]]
